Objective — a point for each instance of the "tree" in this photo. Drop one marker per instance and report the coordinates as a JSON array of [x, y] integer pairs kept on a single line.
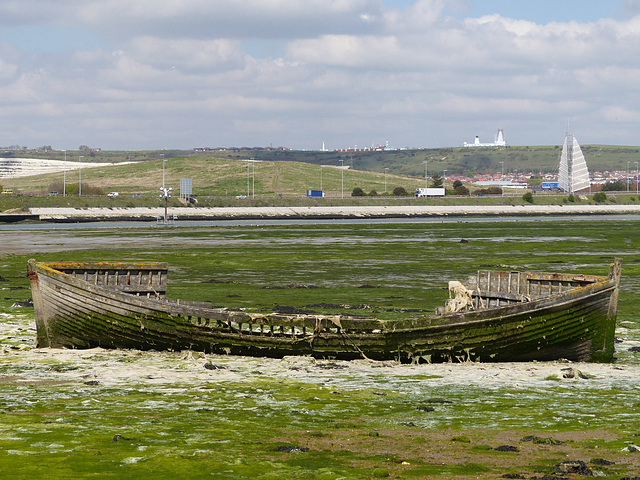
[[457, 184], [614, 186], [357, 192], [528, 197], [399, 192], [462, 190], [437, 181]]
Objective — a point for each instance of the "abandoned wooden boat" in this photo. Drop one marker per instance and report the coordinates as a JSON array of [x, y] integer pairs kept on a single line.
[[495, 316]]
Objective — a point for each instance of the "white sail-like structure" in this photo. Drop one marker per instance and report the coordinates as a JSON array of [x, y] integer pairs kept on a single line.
[[573, 174]]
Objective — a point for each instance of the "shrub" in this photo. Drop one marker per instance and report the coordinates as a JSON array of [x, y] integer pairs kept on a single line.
[[462, 190], [399, 192], [357, 192], [528, 197], [600, 197], [373, 193], [457, 184], [571, 198]]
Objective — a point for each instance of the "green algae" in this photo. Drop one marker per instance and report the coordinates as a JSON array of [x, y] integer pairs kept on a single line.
[[59, 418]]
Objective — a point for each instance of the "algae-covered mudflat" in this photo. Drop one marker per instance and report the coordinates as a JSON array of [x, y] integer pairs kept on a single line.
[[108, 414]]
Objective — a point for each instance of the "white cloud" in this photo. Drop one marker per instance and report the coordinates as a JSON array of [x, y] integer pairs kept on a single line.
[[346, 71]]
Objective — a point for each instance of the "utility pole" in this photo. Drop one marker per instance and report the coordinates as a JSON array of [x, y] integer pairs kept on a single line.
[[426, 185], [80, 175], [342, 172], [64, 176], [385, 179]]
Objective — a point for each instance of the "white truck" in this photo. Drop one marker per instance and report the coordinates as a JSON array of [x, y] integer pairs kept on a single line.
[[430, 192]]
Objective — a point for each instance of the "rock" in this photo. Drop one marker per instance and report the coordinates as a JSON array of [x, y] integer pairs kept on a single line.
[[425, 409], [541, 441], [506, 448], [572, 372], [25, 304], [634, 349], [602, 461], [290, 449], [211, 366], [118, 437], [573, 466], [513, 475]]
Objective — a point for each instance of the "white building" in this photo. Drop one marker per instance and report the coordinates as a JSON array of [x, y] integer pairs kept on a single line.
[[499, 141]]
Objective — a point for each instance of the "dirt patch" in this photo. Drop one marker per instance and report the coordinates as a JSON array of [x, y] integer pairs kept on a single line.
[[407, 449]]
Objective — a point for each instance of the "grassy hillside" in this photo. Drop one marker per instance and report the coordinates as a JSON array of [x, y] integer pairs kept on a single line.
[[217, 177], [458, 160], [292, 173], [397, 162]]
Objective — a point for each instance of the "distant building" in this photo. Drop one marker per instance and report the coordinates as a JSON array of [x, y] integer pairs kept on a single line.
[[499, 141]]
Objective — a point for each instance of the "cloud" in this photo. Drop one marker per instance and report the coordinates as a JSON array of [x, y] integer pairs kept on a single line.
[[346, 71]]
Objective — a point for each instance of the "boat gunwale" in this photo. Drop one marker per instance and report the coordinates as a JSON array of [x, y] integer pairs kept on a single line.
[[601, 284]]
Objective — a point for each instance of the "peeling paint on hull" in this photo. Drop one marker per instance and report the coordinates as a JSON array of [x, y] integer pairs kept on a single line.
[[518, 316]]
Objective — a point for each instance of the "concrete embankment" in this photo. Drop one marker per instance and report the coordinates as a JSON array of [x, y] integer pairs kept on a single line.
[[197, 213]]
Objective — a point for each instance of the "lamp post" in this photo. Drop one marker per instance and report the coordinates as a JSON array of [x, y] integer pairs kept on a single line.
[[425, 174], [627, 177], [636, 177], [502, 177], [162, 156], [80, 175], [165, 193], [64, 175], [253, 181], [444, 179], [248, 172], [342, 172], [385, 179], [321, 167]]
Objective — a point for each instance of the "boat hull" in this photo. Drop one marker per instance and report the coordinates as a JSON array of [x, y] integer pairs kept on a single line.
[[73, 312]]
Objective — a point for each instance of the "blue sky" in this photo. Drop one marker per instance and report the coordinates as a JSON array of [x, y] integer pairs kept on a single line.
[[539, 11], [138, 74]]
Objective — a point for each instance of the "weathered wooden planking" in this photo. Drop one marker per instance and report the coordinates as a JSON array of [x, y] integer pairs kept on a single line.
[[526, 316]]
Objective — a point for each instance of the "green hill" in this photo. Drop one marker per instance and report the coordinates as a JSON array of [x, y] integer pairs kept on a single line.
[[460, 160], [211, 176], [291, 173]]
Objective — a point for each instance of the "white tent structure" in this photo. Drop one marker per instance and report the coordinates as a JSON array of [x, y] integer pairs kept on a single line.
[[573, 174]]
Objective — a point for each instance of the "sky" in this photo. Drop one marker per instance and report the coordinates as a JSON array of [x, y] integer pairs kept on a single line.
[[151, 74]]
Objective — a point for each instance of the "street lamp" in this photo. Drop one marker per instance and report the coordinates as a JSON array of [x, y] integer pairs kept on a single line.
[[425, 175], [444, 179], [162, 156], [385, 179], [253, 182], [165, 193], [636, 177], [628, 177], [80, 175], [502, 177], [321, 167], [64, 175], [342, 172]]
